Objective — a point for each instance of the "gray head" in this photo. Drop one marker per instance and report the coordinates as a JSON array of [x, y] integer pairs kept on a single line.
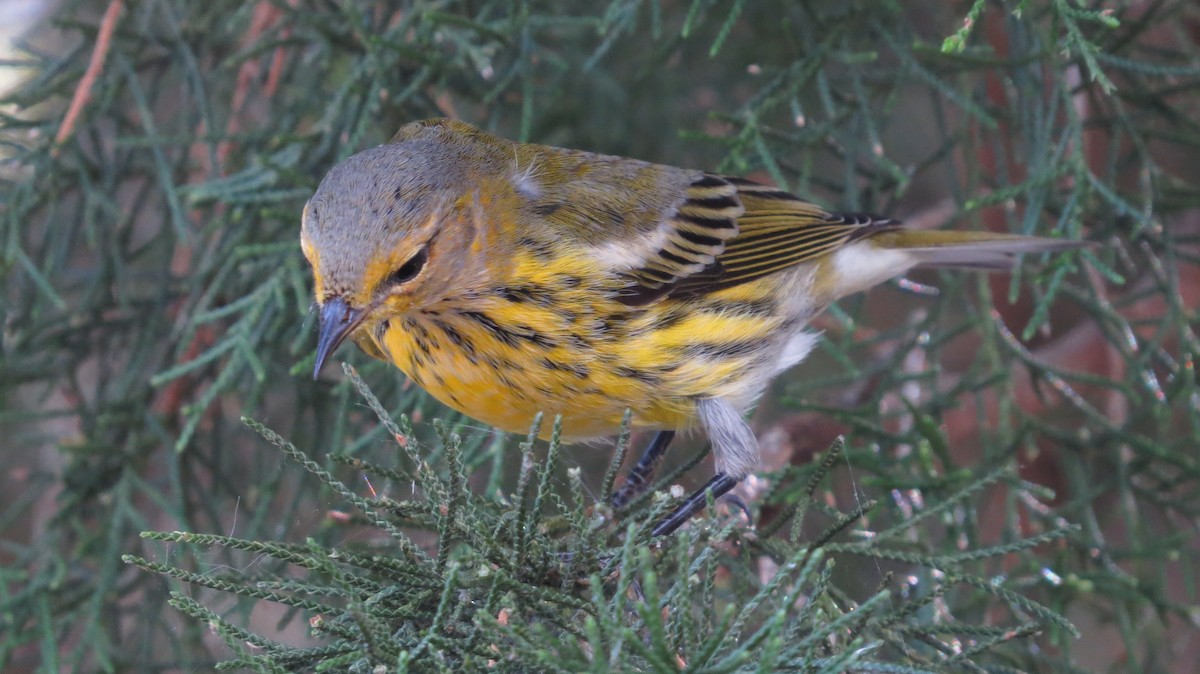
[[389, 230]]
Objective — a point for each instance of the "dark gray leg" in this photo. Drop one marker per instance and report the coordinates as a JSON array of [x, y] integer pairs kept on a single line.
[[642, 473], [719, 486]]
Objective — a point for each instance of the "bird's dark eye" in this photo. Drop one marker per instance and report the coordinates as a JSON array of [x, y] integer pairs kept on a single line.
[[409, 270]]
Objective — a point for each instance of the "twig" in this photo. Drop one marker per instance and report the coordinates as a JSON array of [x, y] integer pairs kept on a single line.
[[83, 92], [265, 15]]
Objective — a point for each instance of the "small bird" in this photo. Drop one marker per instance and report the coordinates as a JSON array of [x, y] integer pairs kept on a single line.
[[509, 279]]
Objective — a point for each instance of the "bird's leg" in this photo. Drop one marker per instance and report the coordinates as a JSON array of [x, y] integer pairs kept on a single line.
[[718, 486], [735, 452], [641, 474]]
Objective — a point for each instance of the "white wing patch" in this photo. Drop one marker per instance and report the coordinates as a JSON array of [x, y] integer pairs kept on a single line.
[[624, 255]]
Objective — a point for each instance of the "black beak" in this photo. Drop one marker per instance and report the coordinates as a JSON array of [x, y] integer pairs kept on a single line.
[[336, 320]]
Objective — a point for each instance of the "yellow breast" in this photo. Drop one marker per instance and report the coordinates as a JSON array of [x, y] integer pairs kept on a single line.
[[549, 341]]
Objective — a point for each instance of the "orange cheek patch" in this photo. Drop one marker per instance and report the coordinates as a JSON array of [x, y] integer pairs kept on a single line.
[[378, 269]]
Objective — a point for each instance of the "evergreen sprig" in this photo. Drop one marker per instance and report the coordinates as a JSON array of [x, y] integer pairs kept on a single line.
[[590, 594]]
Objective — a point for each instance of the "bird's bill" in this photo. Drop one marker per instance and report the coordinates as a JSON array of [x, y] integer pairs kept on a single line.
[[336, 320]]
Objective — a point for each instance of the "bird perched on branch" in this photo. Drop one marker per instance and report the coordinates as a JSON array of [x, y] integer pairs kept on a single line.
[[509, 279]]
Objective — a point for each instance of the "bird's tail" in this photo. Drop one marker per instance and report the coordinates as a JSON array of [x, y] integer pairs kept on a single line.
[[986, 251]]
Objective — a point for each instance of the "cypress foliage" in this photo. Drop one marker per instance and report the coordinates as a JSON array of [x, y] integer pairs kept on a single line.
[[1017, 488]]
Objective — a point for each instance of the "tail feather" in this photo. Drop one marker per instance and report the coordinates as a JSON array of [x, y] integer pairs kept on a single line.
[[984, 251]]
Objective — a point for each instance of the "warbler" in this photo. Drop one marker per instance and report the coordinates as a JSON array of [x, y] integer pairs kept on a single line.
[[509, 279]]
